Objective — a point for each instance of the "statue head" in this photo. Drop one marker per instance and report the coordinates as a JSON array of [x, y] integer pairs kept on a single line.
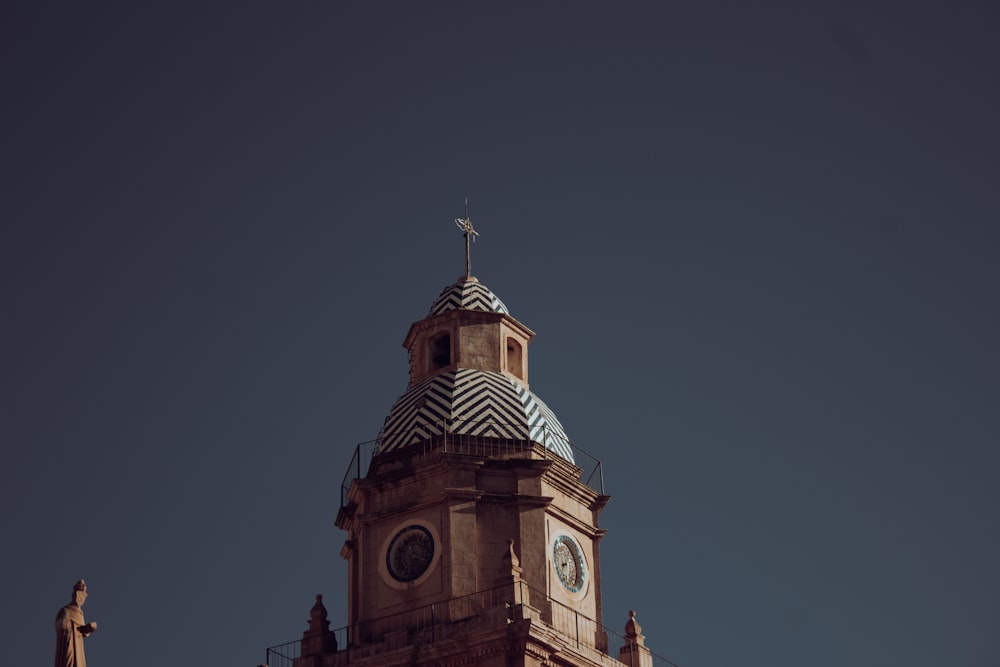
[[80, 592]]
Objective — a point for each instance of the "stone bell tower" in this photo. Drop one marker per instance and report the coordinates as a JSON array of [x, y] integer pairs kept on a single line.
[[472, 521], [468, 459]]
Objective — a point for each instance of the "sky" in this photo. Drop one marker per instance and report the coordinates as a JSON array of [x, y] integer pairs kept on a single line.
[[757, 242]]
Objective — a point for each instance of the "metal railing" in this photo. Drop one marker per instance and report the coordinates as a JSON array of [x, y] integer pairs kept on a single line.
[[443, 438], [358, 467], [488, 608]]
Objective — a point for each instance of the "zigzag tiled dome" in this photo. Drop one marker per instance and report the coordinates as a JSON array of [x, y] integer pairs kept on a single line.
[[467, 294], [468, 377], [472, 402]]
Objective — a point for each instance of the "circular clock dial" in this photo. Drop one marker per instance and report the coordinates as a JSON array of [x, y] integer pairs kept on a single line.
[[410, 553], [568, 561]]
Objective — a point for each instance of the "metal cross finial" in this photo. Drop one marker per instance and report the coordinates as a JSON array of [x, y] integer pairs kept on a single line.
[[465, 224]]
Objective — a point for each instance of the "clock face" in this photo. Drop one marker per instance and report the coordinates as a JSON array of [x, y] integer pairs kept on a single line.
[[567, 558], [410, 553]]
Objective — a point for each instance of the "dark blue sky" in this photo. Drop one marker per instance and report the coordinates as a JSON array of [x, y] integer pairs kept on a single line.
[[758, 245]]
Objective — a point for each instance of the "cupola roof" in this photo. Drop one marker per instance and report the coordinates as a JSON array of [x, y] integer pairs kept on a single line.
[[467, 293]]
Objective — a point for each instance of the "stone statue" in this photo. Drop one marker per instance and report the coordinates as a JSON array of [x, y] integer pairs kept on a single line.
[[70, 630]]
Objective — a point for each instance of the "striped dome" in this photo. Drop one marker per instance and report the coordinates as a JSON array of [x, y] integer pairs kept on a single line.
[[467, 294], [472, 402]]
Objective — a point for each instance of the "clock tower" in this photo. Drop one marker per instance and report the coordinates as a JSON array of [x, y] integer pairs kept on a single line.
[[472, 533]]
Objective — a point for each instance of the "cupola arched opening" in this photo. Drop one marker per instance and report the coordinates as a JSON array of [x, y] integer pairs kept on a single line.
[[440, 351], [515, 363]]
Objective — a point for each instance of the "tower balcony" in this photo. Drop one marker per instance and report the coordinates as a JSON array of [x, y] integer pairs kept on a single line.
[[482, 439]]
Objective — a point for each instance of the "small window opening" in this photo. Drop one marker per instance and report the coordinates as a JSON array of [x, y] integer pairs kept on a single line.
[[514, 363], [440, 351]]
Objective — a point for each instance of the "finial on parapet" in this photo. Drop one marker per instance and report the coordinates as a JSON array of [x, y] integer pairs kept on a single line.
[[318, 639], [510, 575], [318, 613], [514, 560], [510, 564], [633, 630], [634, 651], [509, 569]]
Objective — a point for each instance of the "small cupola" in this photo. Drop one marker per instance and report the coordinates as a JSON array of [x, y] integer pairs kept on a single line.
[[469, 373], [468, 327]]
